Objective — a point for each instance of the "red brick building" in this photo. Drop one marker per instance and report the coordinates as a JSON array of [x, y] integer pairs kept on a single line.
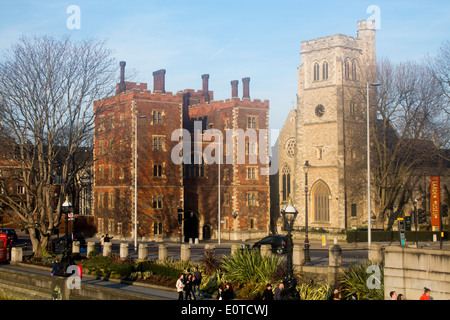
[[161, 129]]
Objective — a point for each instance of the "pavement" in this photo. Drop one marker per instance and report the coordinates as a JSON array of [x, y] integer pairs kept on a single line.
[[150, 291]]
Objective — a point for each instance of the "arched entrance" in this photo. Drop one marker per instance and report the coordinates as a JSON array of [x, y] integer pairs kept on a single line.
[[190, 225], [206, 232]]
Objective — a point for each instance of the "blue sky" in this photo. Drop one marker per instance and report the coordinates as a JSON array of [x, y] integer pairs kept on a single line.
[[230, 39]]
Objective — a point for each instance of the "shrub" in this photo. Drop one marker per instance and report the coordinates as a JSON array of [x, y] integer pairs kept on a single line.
[[93, 254], [354, 281], [245, 266], [314, 291]]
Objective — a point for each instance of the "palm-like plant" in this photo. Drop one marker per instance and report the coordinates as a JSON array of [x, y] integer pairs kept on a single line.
[[365, 281], [245, 266]]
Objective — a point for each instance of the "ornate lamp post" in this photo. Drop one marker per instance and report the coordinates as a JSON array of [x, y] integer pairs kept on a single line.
[[290, 292], [307, 258], [66, 260]]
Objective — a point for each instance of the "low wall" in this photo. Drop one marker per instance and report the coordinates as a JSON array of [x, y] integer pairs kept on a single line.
[[409, 270], [27, 286]]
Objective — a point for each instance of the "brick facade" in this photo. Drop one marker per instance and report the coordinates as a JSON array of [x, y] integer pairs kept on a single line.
[[166, 185]]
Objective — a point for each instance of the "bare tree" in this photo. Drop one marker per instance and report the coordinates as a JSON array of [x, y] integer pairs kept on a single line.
[[439, 67], [47, 89], [408, 114]]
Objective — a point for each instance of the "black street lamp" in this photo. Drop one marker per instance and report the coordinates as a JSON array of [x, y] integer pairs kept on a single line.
[[66, 260], [290, 292], [307, 258], [180, 222]]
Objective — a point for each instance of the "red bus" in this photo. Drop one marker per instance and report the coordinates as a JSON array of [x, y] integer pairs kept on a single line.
[[3, 247]]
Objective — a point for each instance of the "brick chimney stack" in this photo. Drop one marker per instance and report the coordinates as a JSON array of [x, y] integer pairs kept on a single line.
[[234, 89], [121, 87], [205, 90], [159, 82], [246, 88]]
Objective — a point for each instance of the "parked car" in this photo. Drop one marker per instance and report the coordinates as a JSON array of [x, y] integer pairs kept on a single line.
[[11, 233], [278, 243], [58, 243]]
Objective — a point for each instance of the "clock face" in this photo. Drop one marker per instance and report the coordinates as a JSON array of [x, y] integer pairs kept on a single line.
[[320, 110]]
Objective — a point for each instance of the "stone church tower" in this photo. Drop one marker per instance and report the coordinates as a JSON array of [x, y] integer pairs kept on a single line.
[[324, 130]]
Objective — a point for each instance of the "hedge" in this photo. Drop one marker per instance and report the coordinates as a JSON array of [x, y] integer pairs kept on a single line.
[[393, 236]]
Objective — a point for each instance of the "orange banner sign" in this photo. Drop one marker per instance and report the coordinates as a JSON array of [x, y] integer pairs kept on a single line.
[[435, 202]]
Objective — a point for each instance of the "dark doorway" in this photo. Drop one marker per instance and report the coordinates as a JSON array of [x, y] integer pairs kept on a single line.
[[190, 225], [206, 232]]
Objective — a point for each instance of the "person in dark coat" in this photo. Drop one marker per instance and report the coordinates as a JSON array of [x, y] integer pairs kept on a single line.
[[228, 293], [56, 267], [268, 293]]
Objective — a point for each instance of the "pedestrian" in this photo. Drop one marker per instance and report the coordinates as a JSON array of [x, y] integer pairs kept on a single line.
[[107, 238], [426, 294], [268, 293], [55, 269], [180, 286], [219, 293], [393, 295], [197, 281], [400, 297], [228, 293], [336, 294], [278, 290], [188, 282]]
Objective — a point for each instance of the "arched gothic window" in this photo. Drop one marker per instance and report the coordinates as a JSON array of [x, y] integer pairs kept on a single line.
[[286, 183], [347, 69], [354, 67], [321, 202], [316, 71], [325, 70]]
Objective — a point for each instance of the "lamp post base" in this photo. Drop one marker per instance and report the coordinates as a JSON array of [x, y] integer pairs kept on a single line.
[[290, 290]]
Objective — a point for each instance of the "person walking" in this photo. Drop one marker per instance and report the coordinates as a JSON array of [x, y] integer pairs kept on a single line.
[[55, 269], [426, 294], [219, 293], [400, 297], [228, 293], [278, 290], [107, 238], [180, 286], [268, 293], [197, 281], [188, 282]]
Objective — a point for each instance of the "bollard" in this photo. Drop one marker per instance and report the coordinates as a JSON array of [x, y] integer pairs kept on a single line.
[[162, 252], [265, 251], [123, 251], [90, 247], [185, 254], [210, 248], [335, 256], [324, 240], [142, 252], [376, 253], [106, 249], [76, 247], [235, 247], [16, 255], [334, 263], [298, 255]]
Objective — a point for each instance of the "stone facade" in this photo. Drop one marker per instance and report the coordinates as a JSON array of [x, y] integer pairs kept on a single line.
[[176, 126], [333, 73]]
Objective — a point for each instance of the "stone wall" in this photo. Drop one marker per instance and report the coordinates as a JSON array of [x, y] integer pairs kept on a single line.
[[409, 270]]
